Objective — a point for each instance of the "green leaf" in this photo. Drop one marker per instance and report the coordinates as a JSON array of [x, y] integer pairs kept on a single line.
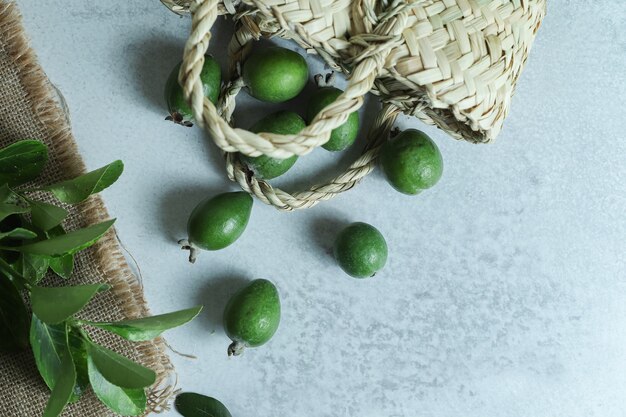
[[78, 349], [6, 209], [22, 161], [149, 327], [56, 304], [62, 265], [12, 275], [11, 203], [190, 404], [13, 317], [69, 243], [119, 370], [64, 387], [18, 233], [127, 402], [49, 343], [6, 194], [46, 216], [78, 189], [32, 267]]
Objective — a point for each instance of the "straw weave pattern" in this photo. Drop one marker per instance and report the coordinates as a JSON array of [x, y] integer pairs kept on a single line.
[[451, 63]]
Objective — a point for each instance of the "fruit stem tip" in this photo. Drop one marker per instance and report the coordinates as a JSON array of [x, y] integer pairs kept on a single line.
[[236, 349], [186, 245]]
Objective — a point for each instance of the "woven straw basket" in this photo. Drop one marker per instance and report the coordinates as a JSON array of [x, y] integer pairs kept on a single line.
[[451, 63]]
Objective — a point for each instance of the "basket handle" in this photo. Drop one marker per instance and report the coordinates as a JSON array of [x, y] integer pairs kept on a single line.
[[367, 66], [246, 33], [367, 63], [345, 181]]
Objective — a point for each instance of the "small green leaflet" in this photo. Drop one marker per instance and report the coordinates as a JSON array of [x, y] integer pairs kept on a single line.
[[69, 243], [61, 265], [10, 203], [78, 189], [56, 304], [119, 370], [149, 327], [8, 271], [18, 233], [127, 402], [6, 194], [22, 161], [6, 209], [13, 317], [46, 216], [190, 404], [32, 267], [49, 343], [64, 388], [78, 349]]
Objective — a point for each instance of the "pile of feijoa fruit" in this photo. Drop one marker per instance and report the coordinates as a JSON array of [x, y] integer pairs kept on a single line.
[[410, 161]]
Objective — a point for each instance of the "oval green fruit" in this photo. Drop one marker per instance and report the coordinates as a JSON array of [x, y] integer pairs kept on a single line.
[[190, 404], [282, 123], [275, 74], [411, 162], [252, 315], [217, 222], [341, 137], [211, 78], [361, 250]]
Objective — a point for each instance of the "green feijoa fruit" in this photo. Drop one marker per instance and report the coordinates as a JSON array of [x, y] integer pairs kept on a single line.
[[190, 404], [211, 78], [275, 74], [252, 315], [361, 250], [217, 222], [411, 162], [341, 137], [282, 123]]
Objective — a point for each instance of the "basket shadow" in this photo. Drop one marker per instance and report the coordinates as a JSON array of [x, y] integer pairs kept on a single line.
[[214, 295], [153, 57], [330, 164]]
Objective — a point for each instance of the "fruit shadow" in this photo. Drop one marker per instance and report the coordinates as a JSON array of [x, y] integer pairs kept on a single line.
[[176, 206], [324, 230], [151, 61], [153, 57], [214, 295]]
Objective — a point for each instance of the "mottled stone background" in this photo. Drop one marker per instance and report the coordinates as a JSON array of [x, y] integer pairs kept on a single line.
[[504, 295]]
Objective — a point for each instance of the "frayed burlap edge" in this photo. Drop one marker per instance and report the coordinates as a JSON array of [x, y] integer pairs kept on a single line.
[[125, 285]]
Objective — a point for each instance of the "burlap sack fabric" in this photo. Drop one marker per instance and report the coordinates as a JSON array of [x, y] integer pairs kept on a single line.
[[450, 63], [28, 110]]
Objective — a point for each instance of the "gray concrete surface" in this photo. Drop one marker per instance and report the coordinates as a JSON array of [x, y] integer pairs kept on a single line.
[[504, 291]]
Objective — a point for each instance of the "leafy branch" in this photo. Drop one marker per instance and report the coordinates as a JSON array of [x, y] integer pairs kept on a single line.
[[33, 241]]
